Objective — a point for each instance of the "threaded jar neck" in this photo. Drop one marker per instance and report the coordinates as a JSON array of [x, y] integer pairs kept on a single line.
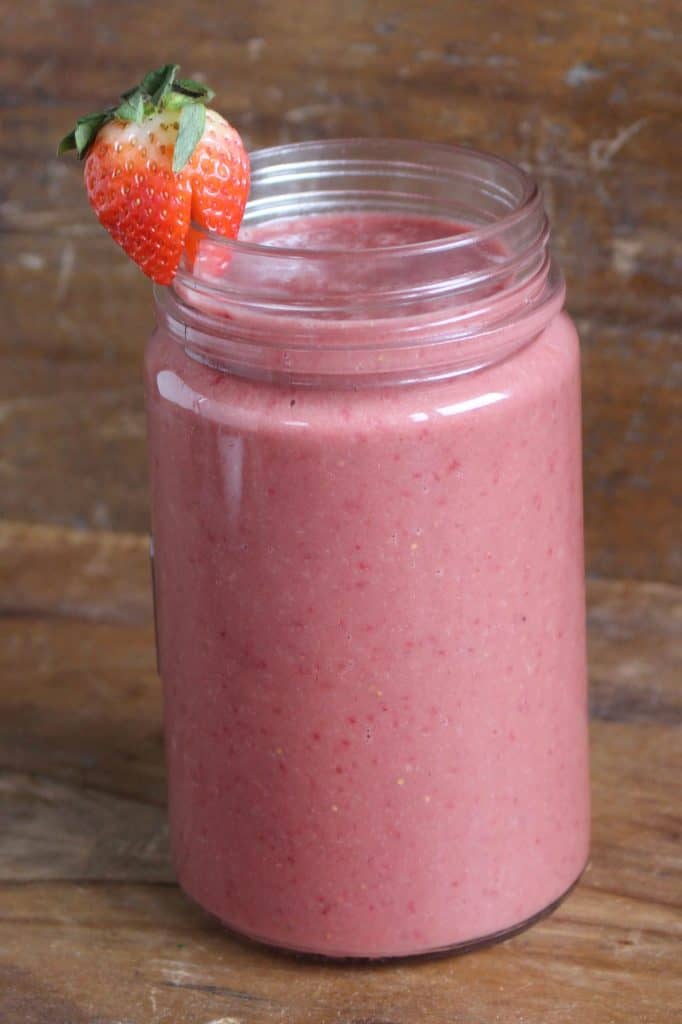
[[309, 309]]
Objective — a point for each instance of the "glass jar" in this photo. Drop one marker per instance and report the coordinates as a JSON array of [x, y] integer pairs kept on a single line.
[[364, 424]]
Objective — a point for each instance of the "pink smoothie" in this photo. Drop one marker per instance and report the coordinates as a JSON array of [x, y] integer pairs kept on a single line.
[[371, 633]]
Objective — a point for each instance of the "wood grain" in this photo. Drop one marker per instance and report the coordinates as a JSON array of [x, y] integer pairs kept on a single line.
[[93, 930], [108, 954], [585, 96]]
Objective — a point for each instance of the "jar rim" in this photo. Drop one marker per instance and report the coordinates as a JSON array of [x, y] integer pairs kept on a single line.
[[266, 160]]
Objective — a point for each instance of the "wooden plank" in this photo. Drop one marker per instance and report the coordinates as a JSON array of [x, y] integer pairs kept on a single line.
[[288, 67], [635, 651], [99, 576], [632, 428], [54, 830], [81, 632], [91, 715], [144, 955]]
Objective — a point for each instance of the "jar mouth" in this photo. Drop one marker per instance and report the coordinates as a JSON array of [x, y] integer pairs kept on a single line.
[[476, 288], [273, 168]]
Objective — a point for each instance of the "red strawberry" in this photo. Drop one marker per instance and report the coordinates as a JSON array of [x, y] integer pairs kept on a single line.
[[137, 197], [220, 176], [157, 160]]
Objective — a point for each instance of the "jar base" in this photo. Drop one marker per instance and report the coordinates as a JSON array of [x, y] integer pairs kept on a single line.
[[456, 949]]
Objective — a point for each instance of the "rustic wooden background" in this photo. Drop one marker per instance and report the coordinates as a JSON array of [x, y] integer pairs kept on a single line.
[[586, 94]]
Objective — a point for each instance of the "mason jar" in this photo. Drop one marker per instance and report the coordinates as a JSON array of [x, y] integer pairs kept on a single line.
[[364, 423]]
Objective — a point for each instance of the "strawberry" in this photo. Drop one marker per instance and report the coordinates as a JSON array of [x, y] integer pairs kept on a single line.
[[219, 171], [156, 162]]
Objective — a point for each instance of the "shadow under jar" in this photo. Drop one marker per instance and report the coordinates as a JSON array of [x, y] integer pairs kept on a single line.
[[364, 423]]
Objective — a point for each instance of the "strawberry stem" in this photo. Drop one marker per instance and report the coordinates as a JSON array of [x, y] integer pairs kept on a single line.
[[132, 108], [157, 83], [157, 91]]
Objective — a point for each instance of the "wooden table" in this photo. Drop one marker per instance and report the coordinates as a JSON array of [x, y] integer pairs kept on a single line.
[[93, 929]]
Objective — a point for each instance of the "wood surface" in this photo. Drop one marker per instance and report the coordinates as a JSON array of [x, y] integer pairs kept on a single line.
[[94, 931], [586, 95]]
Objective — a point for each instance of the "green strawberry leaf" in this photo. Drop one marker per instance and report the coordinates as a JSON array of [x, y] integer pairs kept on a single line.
[[85, 132], [158, 83], [132, 108], [67, 143], [192, 122], [190, 87]]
